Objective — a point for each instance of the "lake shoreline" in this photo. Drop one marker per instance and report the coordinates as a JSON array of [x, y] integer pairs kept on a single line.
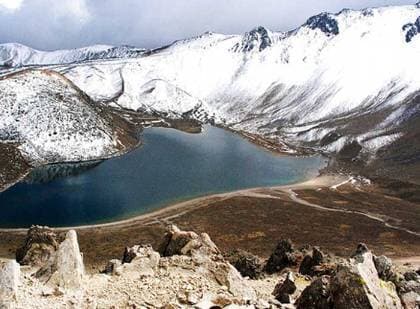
[[316, 182]]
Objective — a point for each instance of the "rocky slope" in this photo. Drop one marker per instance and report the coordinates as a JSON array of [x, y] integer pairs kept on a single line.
[[53, 120], [189, 271]]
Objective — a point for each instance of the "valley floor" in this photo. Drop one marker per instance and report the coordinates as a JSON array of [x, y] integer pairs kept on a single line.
[[334, 212]]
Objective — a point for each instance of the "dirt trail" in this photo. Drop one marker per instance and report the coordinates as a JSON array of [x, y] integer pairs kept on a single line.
[[293, 195]]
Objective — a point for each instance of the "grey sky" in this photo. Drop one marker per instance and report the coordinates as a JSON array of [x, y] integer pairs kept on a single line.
[[55, 24]]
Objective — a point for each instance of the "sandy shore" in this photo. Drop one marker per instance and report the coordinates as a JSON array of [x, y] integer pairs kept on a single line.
[[182, 207]]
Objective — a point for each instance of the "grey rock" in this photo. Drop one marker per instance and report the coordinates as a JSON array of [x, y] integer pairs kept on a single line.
[[40, 244], [65, 268], [246, 263], [309, 262], [316, 296], [411, 276], [112, 266], [282, 257], [283, 290], [384, 267], [357, 285], [9, 282], [410, 300], [177, 242]]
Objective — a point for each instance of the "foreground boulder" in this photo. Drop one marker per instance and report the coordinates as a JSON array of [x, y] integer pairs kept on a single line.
[[357, 285], [40, 244], [283, 256], [65, 268], [9, 281]]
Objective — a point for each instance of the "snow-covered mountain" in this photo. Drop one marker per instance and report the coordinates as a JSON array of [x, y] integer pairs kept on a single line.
[[14, 55], [53, 121], [344, 83], [300, 85]]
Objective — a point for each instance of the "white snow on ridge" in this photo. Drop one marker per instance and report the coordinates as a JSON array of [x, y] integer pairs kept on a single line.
[[17, 55], [54, 123], [336, 66]]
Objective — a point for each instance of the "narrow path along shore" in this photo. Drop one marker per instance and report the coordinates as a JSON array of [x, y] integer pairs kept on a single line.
[[182, 207], [164, 215]]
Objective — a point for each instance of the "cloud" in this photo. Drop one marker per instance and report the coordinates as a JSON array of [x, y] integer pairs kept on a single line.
[[11, 5], [54, 24]]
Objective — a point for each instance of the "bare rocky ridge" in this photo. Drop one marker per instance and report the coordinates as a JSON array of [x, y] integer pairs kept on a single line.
[[190, 272]]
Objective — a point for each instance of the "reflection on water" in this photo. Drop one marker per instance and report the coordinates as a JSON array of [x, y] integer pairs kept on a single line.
[[47, 173], [170, 166]]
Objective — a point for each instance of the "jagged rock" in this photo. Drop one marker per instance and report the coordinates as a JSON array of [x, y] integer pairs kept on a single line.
[[324, 22], [227, 275], [40, 244], [177, 242], [285, 289], [246, 263], [142, 259], [316, 296], [9, 281], [410, 300], [112, 268], [311, 261], [411, 276], [408, 290], [360, 251], [357, 285], [384, 267], [65, 268], [282, 257]]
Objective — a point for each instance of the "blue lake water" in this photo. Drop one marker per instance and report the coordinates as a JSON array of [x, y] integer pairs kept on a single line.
[[171, 166]]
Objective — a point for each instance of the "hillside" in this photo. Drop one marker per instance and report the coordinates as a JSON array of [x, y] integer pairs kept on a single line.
[[50, 120]]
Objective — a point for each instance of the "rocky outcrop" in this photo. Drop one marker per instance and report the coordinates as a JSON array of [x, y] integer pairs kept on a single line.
[[9, 282], [309, 262], [40, 244], [357, 285], [317, 295], [283, 256], [246, 263], [65, 268], [190, 272], [283, 291], [384, 267], [177, 242]]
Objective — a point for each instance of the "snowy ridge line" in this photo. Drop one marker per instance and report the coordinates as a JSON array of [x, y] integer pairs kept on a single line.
[[338, 76]]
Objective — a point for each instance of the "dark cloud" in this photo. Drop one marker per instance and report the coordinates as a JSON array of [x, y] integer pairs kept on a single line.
[[52, 24]]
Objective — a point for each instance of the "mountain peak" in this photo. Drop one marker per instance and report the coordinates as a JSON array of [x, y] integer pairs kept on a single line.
[[325, 22], [258, 38]]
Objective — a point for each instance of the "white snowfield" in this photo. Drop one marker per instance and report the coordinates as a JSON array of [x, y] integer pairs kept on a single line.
[[301, 85], [51, 119]]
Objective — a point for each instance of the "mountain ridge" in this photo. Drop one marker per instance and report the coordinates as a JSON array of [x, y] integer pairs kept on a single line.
[[340, 81]]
